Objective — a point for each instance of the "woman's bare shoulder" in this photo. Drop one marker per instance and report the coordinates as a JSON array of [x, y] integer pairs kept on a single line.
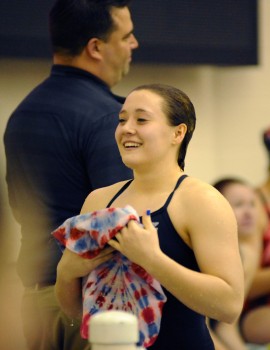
[[194, 186], [99, 198], [195, 193]]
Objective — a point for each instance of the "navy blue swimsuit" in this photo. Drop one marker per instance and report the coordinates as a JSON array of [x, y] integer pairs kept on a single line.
[[181, 328]]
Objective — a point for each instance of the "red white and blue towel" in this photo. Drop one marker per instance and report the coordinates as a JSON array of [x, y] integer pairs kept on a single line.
[[117, 284]]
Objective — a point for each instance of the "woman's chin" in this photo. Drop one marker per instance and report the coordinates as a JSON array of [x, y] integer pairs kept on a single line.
[[128, 163]]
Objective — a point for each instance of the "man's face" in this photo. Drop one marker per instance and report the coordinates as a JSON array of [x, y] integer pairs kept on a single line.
[[117, 50]]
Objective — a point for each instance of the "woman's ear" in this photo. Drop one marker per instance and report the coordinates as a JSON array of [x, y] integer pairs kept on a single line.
[[93, 48], [179, 133]]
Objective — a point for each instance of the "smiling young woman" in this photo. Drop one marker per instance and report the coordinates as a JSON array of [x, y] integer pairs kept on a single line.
[[177, 241]]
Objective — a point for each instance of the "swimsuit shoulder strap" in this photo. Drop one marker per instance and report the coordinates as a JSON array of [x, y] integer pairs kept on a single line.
[[178, 183], [122, 189]]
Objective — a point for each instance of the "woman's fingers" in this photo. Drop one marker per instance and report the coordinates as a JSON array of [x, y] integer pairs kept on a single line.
[[146, 220], [114, 243], [107, 251]]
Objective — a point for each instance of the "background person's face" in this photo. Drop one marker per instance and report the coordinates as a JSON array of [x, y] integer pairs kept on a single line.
[[242, 199]]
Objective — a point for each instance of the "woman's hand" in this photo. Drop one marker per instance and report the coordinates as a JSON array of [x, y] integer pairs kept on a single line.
[[72, 266], [139, 244]]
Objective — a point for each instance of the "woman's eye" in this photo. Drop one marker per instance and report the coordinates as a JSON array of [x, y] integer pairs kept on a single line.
[[141, 120], [121, 121]]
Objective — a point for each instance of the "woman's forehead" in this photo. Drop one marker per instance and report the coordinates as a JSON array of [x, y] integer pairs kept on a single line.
[[144, 97], [236, 189]]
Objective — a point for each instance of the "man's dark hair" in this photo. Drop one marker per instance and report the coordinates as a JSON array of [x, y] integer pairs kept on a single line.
[[73, 23]]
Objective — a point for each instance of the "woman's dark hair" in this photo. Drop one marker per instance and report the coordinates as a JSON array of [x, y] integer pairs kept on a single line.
[[266, 139], [179, 110], [72, 23], [221, 184], [266, 142]]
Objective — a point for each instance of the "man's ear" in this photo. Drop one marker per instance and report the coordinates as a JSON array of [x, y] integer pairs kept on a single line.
[[179, 133], [93, 48]]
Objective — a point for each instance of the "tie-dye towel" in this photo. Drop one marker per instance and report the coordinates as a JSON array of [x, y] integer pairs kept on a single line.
[[117, 284]]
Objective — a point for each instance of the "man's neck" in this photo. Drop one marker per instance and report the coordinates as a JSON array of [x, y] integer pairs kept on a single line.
[[80, 62]]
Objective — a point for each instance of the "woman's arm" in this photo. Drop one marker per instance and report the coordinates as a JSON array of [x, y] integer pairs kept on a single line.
[[68, 287], [72, 267]]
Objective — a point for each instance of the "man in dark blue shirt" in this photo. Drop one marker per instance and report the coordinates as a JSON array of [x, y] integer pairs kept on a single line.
[[60, 146]]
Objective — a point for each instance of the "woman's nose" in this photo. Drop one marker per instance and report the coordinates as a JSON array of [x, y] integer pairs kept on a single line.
[[129, 127]]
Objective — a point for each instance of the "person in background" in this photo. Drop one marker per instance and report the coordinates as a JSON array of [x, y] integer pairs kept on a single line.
[[178, 242], [256, 319], [60, 145], [250, 223], [264, 188]]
